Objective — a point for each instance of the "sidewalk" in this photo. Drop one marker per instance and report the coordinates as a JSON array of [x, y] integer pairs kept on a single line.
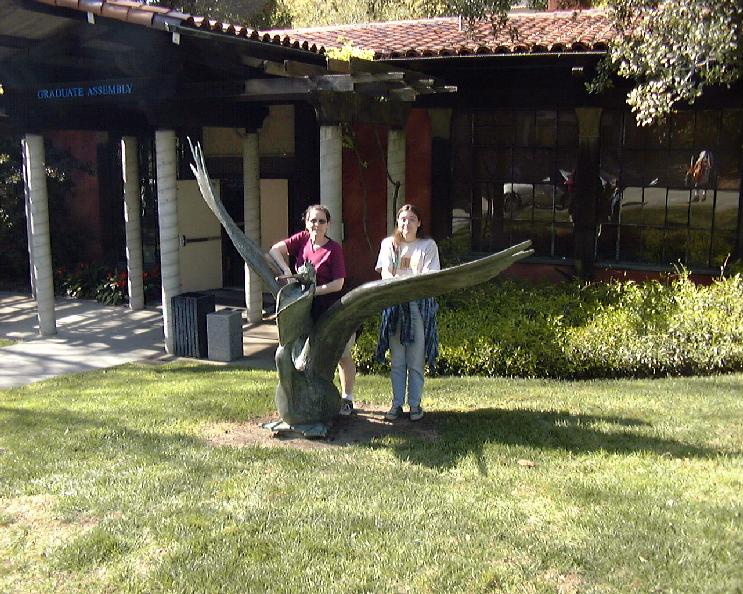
[[93, 336]]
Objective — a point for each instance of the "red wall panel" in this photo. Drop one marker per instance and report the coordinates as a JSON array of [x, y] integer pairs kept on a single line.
[[365, 190]]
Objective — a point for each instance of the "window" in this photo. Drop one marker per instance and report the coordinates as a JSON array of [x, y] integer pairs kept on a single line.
[[511, 176], [673, 189]]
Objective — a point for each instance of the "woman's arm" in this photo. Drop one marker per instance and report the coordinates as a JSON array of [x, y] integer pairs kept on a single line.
[[280, 255], [331, 287], [386, 259], [431, 257]]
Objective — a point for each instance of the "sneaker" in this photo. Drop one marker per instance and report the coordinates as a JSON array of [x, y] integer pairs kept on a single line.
[[346, 407], [393, 413], [416, 413]]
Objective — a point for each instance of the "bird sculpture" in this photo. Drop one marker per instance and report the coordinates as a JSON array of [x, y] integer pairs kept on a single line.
[[308, 351]]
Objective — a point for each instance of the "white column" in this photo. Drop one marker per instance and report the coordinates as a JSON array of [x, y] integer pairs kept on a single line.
[[167, 211], [331, 177], [29, 235], [132, 222], [40, 250], [252, 218], [396, 170]]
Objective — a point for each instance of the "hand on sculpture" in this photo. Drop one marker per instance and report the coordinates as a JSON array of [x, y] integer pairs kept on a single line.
[[284, 279]]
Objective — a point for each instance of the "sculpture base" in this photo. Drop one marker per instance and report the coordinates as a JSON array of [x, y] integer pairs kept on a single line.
[[308, 430]]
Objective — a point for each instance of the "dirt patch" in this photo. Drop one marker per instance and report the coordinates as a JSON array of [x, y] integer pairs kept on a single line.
[[364, 426]]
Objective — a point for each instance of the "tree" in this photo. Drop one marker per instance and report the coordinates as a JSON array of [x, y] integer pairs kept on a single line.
[[258, 14], [673, 50]]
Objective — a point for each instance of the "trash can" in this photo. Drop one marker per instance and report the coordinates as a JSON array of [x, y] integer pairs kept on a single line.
[[189, 324]]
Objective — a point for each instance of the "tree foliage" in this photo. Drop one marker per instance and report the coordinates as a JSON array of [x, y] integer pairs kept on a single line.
[[673, 50], [258, 14]]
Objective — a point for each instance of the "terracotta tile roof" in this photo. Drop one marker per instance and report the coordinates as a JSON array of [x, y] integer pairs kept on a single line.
[[157, 17], [533, 32]]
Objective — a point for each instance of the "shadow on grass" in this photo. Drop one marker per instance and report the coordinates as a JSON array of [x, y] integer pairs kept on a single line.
[[462, 434]]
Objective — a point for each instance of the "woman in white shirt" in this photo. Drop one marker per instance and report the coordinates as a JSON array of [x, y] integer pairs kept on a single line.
[[409, 329]]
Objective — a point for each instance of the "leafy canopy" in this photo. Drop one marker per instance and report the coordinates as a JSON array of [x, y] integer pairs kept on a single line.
[[673, 50]]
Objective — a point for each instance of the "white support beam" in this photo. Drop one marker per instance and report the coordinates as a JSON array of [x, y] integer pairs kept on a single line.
[[40, 250], [132, 222], [167, 210], [331, 177], [252, 218]]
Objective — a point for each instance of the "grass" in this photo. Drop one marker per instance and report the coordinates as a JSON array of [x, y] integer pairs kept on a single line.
[[108, 484], [5, 342]]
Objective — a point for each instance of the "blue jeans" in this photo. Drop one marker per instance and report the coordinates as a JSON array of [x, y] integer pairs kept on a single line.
[[407, 362]]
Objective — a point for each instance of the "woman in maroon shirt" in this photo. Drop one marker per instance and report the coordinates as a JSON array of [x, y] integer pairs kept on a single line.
[[313, 245]]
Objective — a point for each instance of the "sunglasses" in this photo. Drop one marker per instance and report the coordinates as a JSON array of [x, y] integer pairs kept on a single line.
[[317, 221]]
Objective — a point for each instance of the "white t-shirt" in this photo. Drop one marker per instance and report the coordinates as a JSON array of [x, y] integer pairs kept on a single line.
[[410, 258]]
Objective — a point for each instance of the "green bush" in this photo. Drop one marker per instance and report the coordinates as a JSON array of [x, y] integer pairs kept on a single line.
[[602, 330], [112, 290], [80, 282]]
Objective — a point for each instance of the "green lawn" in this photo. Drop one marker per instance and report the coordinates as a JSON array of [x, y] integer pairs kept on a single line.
[[108, 484], [5, 342]]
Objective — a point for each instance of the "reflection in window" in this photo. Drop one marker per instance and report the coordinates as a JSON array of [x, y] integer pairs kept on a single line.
[[677, 191], [519, 180], [662, 203]]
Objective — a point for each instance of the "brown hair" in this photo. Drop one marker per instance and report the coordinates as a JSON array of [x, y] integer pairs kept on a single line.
[[321, 207], [397, 238]]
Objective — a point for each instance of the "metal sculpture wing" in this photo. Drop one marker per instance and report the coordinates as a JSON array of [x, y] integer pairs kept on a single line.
[[334, 328], [248, 249]]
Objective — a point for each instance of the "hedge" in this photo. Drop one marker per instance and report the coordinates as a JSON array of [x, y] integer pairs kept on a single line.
[[577, 330]]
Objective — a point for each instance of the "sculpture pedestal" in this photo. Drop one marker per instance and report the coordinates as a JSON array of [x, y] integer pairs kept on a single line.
[[308, 430]]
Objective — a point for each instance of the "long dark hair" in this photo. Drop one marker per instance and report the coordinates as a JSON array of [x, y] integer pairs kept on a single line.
[[397, 238]]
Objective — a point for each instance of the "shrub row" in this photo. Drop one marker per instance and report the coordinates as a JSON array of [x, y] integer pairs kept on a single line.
[[572, 330]]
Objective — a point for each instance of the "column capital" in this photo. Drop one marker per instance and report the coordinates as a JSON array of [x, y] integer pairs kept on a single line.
[[333, 109], [254, 118]]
